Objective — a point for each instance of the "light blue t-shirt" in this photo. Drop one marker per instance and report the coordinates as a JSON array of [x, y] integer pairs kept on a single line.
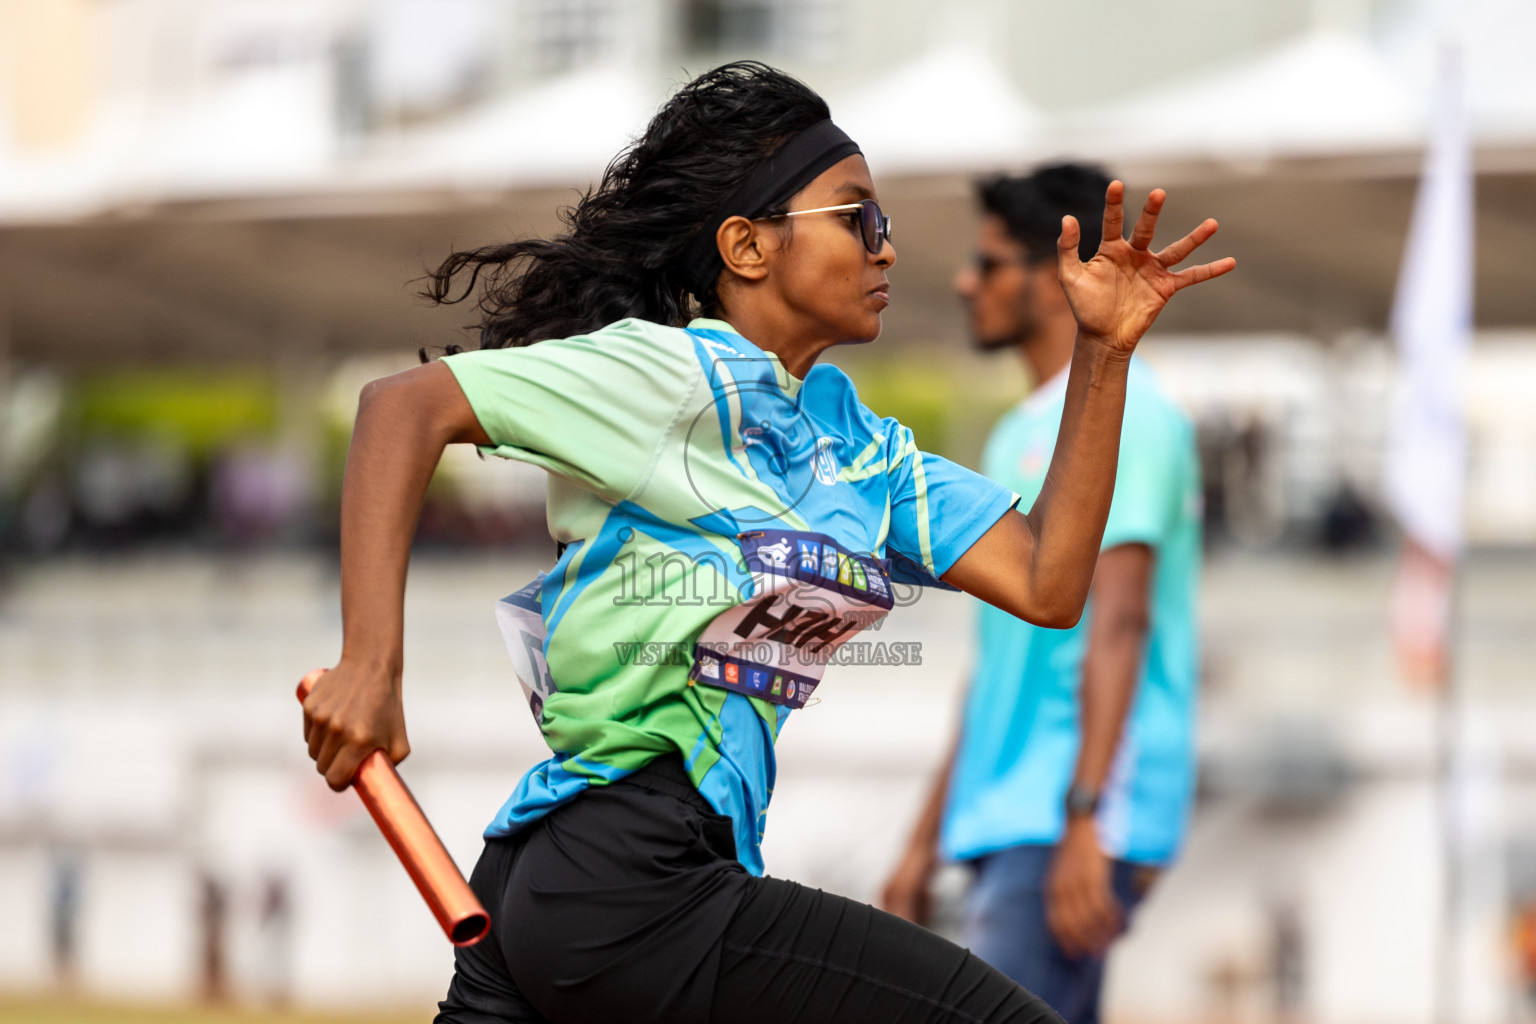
[[1020, 735]]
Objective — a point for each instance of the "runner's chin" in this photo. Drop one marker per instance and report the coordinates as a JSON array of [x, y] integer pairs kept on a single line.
[[874, 304]]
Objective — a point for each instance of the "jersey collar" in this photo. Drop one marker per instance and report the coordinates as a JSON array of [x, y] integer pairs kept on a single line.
[[788, 381]]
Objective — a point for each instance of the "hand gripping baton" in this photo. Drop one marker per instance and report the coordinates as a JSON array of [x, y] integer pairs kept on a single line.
[[399, 817]]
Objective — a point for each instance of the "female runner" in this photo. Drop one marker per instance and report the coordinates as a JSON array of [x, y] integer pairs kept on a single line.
[[728, 513]]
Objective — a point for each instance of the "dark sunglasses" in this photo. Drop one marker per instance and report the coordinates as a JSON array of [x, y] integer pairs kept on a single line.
[[986, 264], [874, 225]]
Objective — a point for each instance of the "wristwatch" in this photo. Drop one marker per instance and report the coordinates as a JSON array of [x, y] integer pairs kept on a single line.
[[1081, 802]]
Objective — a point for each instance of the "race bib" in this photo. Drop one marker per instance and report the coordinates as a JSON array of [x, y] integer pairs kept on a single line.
[[521, 618], [811, 595]]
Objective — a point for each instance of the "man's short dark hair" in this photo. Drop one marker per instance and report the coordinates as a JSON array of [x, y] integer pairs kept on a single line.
[[1032, 206]]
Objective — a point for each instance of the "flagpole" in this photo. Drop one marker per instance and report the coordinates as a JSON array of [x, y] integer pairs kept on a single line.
[[1449, 729], [1425, 481]]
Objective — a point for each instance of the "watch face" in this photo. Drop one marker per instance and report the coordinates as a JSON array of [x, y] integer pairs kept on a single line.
[[1081, 802]]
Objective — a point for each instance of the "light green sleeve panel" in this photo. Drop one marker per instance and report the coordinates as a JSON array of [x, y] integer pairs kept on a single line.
[[1156, 453], [594, 409]]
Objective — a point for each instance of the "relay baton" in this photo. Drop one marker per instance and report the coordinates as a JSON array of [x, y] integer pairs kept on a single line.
[[399, 817]]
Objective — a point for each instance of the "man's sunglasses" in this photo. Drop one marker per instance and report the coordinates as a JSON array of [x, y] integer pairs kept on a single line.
[[874, 225], [987, 264]]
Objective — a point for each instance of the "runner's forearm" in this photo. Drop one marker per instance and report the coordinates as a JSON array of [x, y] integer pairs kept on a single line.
[[1068, 517]]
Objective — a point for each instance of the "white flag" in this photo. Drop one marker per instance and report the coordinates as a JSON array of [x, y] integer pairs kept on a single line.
[[1426, 446], [1432, 322]]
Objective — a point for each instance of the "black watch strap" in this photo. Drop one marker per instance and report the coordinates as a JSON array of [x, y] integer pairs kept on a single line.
[[1081, 802]]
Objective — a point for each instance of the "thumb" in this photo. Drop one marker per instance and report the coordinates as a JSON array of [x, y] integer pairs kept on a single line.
[[1067, 260]]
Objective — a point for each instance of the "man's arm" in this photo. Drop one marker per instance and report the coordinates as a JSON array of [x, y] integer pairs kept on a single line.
[[1080, 902], [907, 893]]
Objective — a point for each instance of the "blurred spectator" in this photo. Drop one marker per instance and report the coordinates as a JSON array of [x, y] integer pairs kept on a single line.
[[257, 493], [65, 917], [1348, 522], [213, 912], [276, 926], [124, 490]]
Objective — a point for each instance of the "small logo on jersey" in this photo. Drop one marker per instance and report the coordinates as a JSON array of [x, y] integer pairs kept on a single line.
[[825, 462], [789, 691], [1034, 460], [778, 684], [731, 672]]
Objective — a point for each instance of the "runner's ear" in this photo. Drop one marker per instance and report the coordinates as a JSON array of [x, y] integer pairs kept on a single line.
[[742, 248]]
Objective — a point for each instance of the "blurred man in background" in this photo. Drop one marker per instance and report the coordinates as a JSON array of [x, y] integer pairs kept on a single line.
[[1069, 784]]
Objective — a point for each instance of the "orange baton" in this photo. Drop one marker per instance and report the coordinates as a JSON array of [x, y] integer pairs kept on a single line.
[[399, 817]]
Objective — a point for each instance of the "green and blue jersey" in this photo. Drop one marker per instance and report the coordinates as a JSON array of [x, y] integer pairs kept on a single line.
[[1021, 724], [727, 527]]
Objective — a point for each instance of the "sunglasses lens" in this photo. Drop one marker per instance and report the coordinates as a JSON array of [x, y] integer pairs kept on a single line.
[[876, 226]]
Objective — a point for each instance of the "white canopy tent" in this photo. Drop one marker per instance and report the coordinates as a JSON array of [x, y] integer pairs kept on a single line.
[[1326, 93], [950, 109]]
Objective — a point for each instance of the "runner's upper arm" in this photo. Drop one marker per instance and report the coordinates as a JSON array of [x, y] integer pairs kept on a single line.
[[426, 393]]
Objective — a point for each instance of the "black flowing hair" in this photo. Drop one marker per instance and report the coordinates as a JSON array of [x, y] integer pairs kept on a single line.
[[621, 255]]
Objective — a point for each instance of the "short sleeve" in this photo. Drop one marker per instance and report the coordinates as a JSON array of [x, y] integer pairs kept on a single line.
[[593, 408], [938, 507], [1149, 479]]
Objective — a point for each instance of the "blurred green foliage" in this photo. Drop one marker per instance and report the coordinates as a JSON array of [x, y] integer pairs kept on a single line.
[[919, 396], [949, 411], [202, 411]]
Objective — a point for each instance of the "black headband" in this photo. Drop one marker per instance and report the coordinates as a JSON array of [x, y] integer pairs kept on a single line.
[[792, 166]]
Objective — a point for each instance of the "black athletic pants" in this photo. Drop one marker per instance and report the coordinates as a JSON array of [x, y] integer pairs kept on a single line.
[[627, 905]]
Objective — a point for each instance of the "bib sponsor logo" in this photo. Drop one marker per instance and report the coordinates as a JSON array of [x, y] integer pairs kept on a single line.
[[819, 561], [810, 596], [776, 555]]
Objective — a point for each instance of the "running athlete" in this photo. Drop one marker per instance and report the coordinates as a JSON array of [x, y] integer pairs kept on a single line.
[[729, 513]]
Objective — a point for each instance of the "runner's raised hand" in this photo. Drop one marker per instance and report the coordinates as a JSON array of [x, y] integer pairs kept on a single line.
[[1116, 295]]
